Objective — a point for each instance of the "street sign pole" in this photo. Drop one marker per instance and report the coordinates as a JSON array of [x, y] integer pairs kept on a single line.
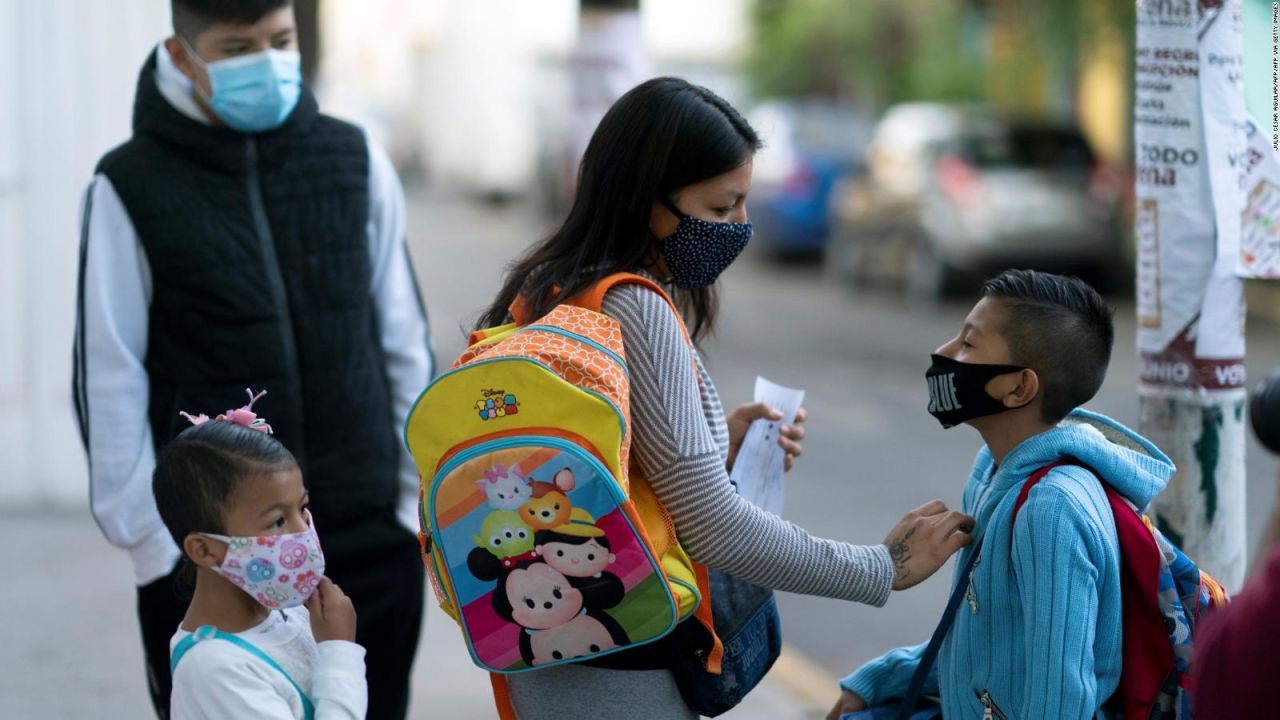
[[1189, 140]]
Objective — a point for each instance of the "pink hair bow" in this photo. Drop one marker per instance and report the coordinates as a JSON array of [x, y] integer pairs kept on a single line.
[[241, 416], [495, 474]]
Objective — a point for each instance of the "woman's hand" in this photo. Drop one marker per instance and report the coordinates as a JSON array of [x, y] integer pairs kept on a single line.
[[848, 702], [925, 539], [789, 436]]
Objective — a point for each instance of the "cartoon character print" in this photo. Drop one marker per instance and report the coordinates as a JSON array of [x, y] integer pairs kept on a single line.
[[586, 634], [580, 551], [506, 488], [558, 620], [259, 570], [272, 597], [549, 507], [497, 405], [292, 555], [504, 534], [307, 582]]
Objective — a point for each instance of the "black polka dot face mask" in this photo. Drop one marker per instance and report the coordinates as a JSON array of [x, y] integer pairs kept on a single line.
[[699, 250]]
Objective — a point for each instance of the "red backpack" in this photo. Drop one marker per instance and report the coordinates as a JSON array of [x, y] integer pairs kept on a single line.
[[1163, 595]]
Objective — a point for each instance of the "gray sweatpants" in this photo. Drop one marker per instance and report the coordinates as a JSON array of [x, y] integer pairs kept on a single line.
[[577, 691]]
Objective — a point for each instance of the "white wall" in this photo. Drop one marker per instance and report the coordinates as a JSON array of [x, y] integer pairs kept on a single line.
[[67, 75]]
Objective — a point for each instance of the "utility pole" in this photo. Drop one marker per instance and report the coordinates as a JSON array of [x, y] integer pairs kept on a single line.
[[1190, 137]]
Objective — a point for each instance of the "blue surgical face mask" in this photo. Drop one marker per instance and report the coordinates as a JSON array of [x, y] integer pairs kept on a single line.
[[699, 250], [254, 93]]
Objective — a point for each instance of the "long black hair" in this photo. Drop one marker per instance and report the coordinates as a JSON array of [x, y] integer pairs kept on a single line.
[[663, 135]]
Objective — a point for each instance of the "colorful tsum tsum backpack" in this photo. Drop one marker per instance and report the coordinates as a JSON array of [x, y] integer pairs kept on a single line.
[[537, 538]]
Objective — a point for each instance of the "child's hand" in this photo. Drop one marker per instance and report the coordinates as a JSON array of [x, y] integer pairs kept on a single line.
[[848, 702], [924, 540], [333, 617]]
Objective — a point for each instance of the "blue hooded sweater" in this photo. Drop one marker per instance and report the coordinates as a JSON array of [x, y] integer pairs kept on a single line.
[[1039, 633]]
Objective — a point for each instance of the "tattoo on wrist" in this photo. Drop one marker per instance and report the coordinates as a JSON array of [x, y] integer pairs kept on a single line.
[[899, 552]]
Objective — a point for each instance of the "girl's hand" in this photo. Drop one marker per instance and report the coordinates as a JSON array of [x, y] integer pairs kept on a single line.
[[789, 436], [333, 617]]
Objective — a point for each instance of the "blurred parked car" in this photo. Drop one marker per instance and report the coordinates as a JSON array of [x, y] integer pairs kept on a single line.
[[955, 193], [810, 146]]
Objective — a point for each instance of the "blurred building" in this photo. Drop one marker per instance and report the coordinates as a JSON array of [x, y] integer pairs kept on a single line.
[[475, 92], [455, 86], [67, 74]]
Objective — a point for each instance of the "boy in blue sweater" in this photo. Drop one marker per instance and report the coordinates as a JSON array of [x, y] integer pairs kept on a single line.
[[1039, 632]]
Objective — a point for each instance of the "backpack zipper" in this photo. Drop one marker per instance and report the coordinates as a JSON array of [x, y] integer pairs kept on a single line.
[[272, 262], [990, 711]]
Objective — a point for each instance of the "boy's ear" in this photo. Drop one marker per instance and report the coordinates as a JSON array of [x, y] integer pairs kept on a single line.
[[203, 551], [181, 57], [1026, 389]]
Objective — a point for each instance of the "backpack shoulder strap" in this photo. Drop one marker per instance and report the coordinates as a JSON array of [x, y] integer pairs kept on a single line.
[[593, 298], [1032, 481], [209, 632]]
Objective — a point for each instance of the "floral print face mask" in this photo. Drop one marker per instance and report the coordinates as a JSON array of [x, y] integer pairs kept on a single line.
[[279, 571]]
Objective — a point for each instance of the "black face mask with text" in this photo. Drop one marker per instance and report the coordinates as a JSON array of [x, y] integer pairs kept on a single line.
[[958, 391]]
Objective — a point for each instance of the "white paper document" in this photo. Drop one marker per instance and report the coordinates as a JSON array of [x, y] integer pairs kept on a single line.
[[758, 469]]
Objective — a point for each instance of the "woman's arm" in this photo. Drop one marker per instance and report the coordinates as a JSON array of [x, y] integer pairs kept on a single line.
[[681, 460]]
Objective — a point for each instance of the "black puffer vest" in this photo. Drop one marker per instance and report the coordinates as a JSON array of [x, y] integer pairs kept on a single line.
[[259, 258]]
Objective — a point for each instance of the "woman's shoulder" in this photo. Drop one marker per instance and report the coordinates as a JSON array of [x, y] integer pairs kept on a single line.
[[636, 304]]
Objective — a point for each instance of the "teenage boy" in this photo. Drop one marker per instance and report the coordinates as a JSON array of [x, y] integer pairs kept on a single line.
[[242, 239], [1038, 633]]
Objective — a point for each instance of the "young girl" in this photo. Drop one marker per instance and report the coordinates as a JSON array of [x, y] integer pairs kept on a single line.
[[662, 192], [266, 635]]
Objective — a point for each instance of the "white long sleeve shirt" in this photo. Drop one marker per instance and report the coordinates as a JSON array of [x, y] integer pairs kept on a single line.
[[110, 379], [217, 679]]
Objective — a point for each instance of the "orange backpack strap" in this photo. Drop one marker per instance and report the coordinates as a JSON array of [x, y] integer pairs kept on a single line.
[[502, 697], [704, 616], [593, 299]]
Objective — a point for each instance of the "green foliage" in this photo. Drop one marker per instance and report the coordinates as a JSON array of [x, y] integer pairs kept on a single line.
[[887, 51], [883, 51]]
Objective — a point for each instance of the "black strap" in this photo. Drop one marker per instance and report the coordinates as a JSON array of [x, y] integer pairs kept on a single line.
[[930, 655]]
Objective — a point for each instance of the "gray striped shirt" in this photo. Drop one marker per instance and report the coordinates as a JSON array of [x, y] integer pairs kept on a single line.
[[680, 443]]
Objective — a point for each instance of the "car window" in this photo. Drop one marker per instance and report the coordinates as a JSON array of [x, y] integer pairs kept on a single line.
[[1029, 147], [830, 132]]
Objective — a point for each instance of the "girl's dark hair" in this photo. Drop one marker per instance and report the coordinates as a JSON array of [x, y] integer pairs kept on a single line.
[[197, 472], [663, 135]]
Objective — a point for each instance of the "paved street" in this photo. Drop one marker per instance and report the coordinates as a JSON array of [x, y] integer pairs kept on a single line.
[[70, 648]]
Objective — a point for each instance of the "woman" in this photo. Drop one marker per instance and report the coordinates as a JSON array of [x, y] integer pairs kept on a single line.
[[662, 192]]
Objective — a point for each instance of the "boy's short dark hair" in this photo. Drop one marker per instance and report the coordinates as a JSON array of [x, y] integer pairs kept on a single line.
[[1061, 328], [192, 17], [197, 472]]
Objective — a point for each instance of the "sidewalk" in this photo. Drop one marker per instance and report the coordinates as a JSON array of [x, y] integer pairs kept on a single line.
[[70, 646]]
